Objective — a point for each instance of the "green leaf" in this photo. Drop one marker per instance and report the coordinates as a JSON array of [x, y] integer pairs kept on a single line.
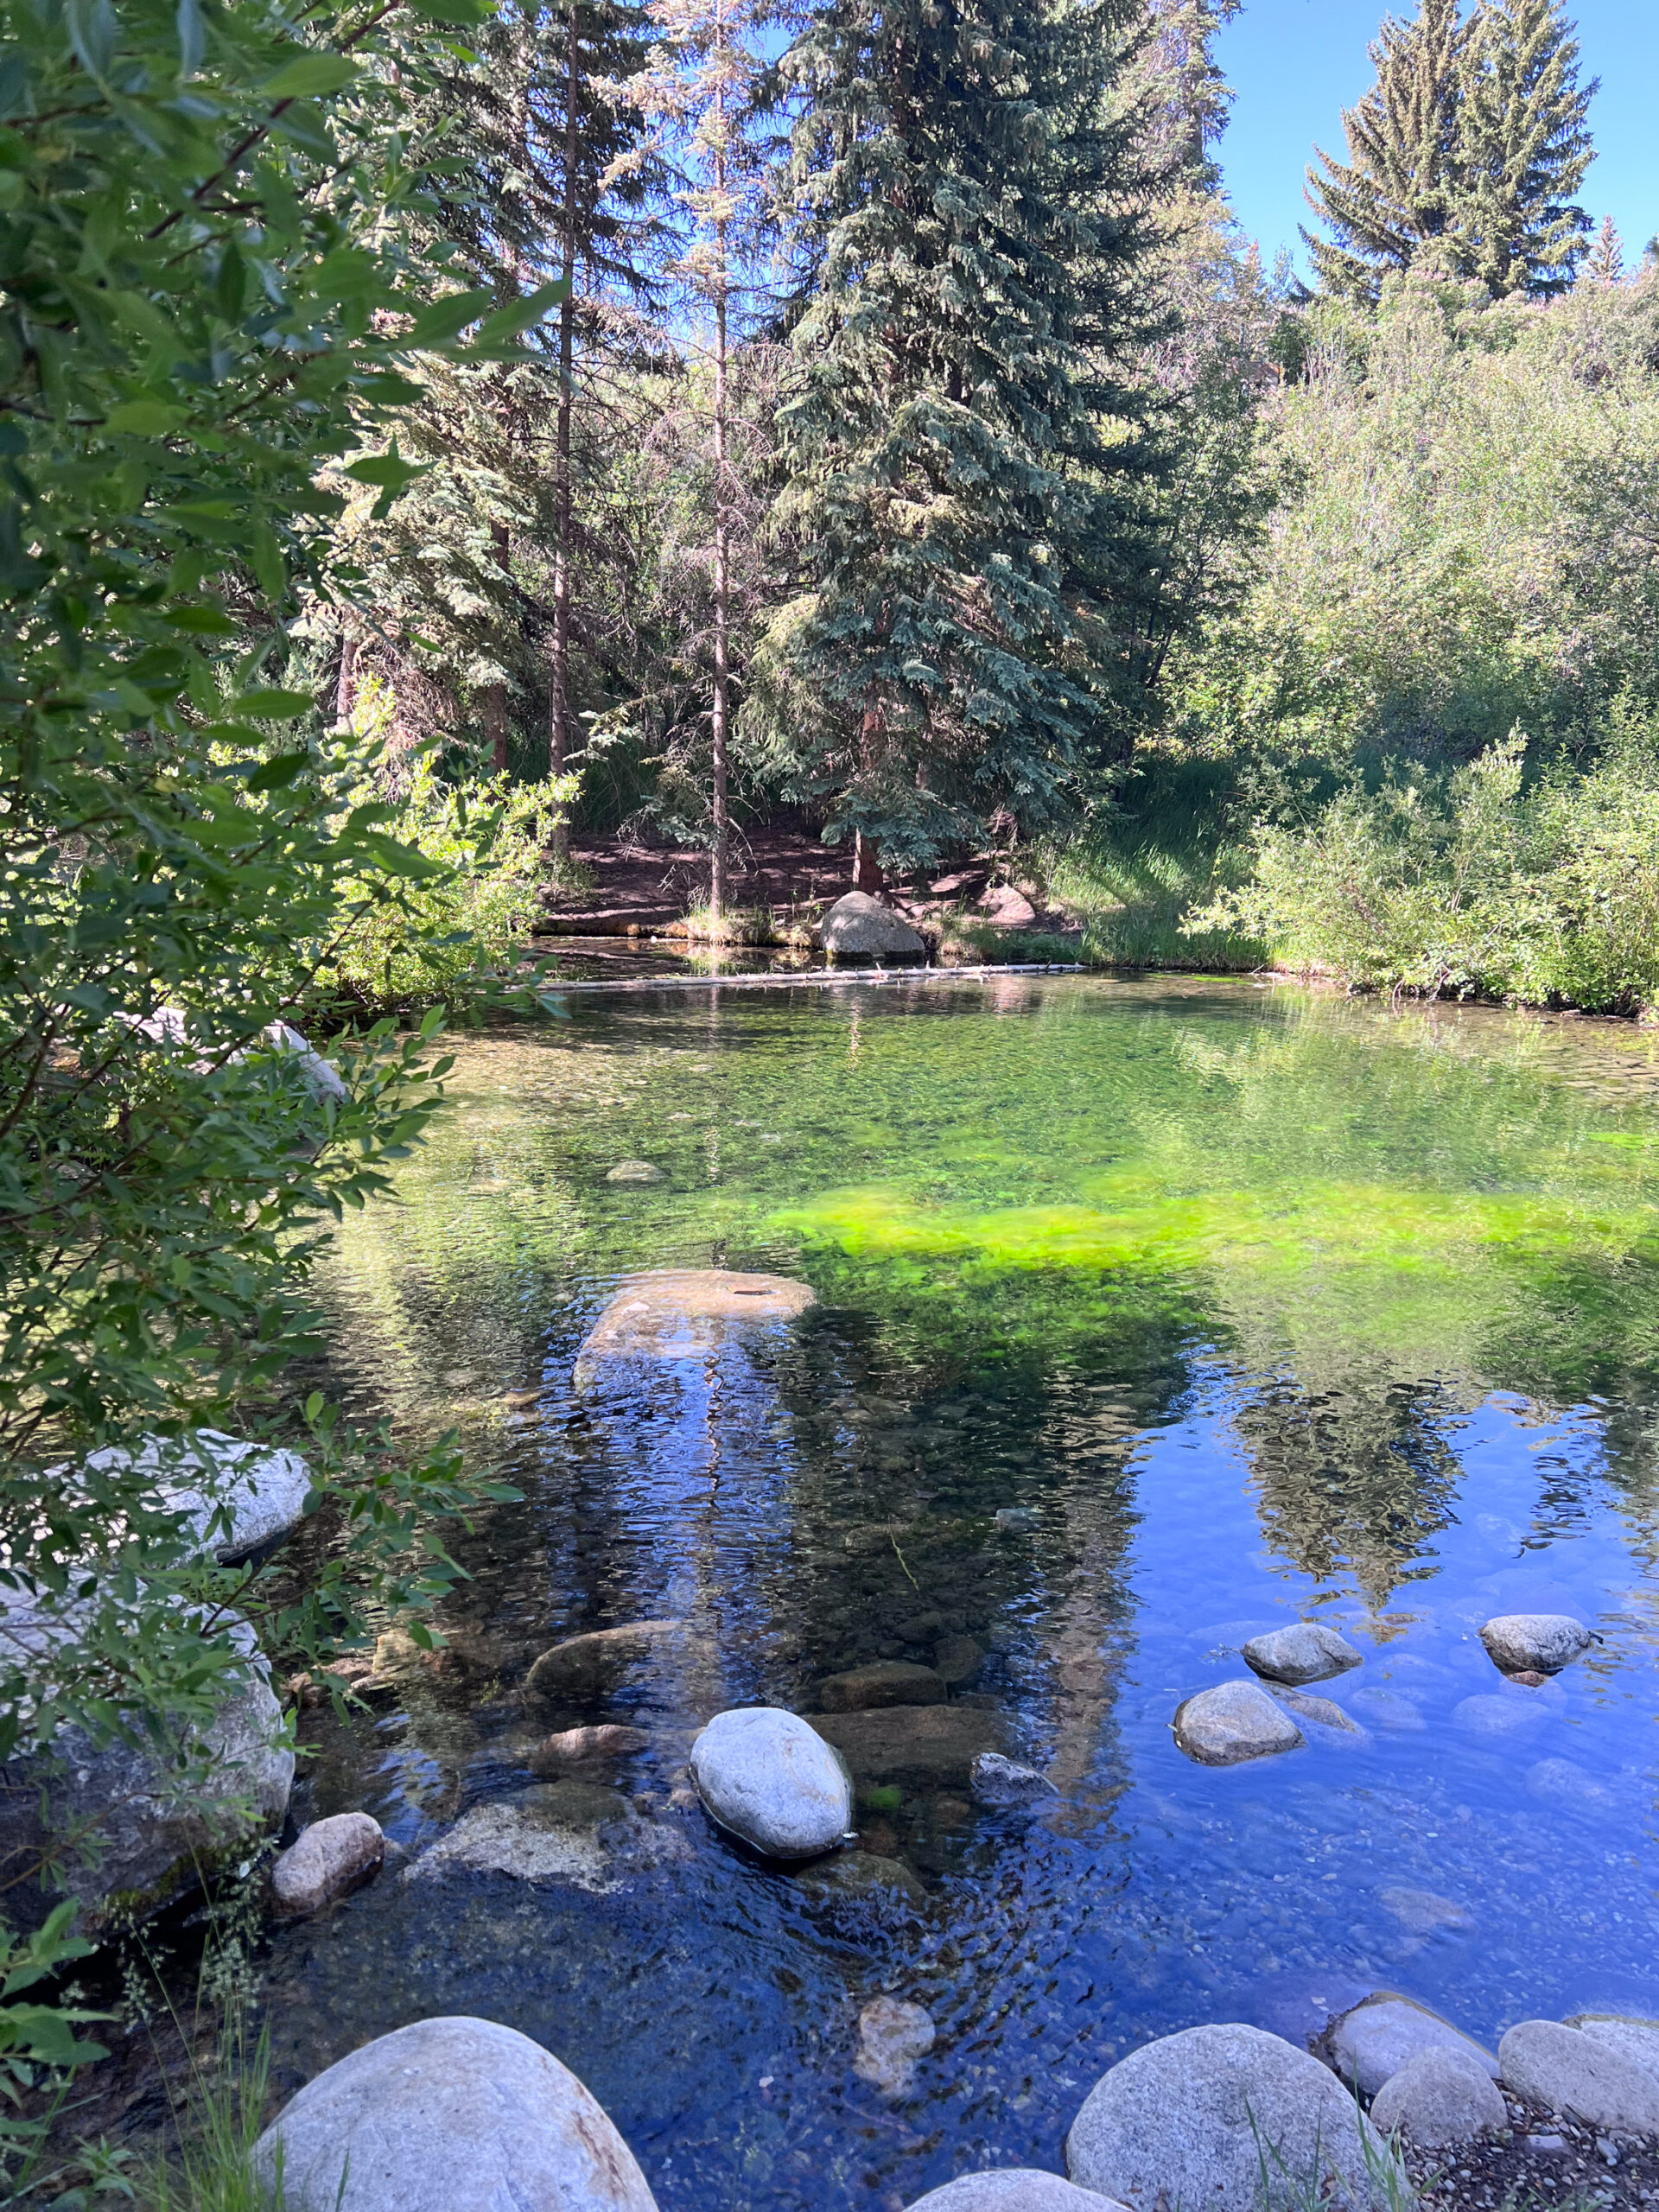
[[469, 12], [203, 621], [273, 706], [275, 774], [146, 418], [192, 36], [310, 75], [513, 320], [388, 469], [448, 317]]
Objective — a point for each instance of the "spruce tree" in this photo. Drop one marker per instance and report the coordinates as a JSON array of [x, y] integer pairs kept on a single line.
[[966, 464], [1398, 193], [1604, 264], [1523, 148]]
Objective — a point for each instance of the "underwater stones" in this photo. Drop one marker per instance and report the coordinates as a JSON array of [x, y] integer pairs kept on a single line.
[[561, 1831], [1565, 1783], [1492, 1714], [1421, 1912], [956, 1661], [919, 1746], [682, 1313], [448, 2115], [246, 1494], [1386, 1708], [770, 1779], [1014, 1520], [997, 1781], [1321, 1713], [593, 1665], [1233, 1722], [1374, 2038], [863, 1874], [1011, 2189], [1305, 1651], [862, 926], [1441, 2099], [1197, 2118], [329, 1857], [1589, 2078], [1544, 1643], [884, 1681], [574, 1751], [891, 2037], [635, 1171]]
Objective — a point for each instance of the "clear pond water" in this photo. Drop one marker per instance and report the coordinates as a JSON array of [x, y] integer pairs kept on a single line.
[[1267, 1306]]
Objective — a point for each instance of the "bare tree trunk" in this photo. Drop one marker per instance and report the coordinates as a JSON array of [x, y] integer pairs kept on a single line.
[[717, 868], [345, 687], [559, 684], [495, 726], [866, 865]]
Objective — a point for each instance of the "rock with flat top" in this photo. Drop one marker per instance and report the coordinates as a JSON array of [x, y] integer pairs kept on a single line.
[[330, 1858], [595, 1664], [1543, 1643], [1589, 2078], [1305, 1651], [861, 927], [771, 1780], [574, 1831], [915, 1746], [1442, 2099], [448, 2115], [1220, 2117], [1012, 2189], [684, 1313], [885, 1681], [1233, 1722], [1374, 2039]]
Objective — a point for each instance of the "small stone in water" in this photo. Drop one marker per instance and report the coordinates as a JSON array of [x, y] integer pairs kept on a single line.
[[998, 1781], [891, 2037], [1015, 1520], [634, 1171], [579, 1747]]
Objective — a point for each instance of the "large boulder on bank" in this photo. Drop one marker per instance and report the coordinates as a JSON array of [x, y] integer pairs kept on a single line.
[[1305, 1651], [595, 1664], [769, 1779], [861, 927], [1221, 2116], [155, 1829], [329, 1857], [1442, 2099], [1011, 2189], [241, 1497], [915, 1746], [449, 2115], [1602, 2083], [684, 1313], [1541, 1642], [1374, 2038], [884, 1681], [1233, 1722]]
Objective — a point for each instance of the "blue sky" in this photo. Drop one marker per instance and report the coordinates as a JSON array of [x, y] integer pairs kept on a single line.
[[1296, 64]]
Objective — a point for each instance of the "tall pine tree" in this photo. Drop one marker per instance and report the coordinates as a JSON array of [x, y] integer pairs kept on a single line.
[[1398, 192], [1523, 149], [966, 467]]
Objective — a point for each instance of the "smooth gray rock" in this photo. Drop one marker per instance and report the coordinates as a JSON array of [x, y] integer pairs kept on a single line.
[[884, 1681], [1191, 2119], [1387, 1708], [772, 1781], [1441, 2098], [1372, 2041], [247, 1495], [1588, 2077], [159, 1832], [321, 1077], [329, 1857], [572, 1832], [1014, 1520], [1423, 1912], [1638, 2039], [891, 2037], [1545, 1641], [860, 926], [1321, 1713], [1492, 1714], [582, 1751], [997, 1781], [1233, 1722], [593, 1665], [1565, 1783], [449, 2115], [1011, 2189], [1305, 1651]]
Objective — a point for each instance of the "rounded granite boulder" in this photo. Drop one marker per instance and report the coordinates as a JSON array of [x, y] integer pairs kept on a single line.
[[771, 1780]]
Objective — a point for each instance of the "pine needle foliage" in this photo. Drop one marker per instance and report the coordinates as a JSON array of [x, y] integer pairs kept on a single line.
[[1523, 148]]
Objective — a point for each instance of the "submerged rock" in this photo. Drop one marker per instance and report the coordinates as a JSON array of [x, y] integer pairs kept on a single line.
[[1305, 1651], [449, 2115], [891, 2037], [1321, 1713], [860, 926], [577, 1751], [1421, 1912], [595, 1664], [682, 1313], [1544, 1643], [1374, 2038], [1605, 2082], [1565, 1784], [1233, 1722], [772, 1780], [1014, 1520], [1386, 1708], [997, 1781], [635, 1171], [958, 1660], [1494, 1714], [862, 1874], [1010, 2189], [919, 1746], [885, 1681], [329, 1857], [561, 1831], [1208, 2116], [1442, 2099]]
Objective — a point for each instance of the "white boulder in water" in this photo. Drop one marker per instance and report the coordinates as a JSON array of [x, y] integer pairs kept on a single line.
[[330, 1857], [1305, 1651], [1372, 2041], [1011, 2189], [1233, 1722], [449, 2115], [1208, 2116], [1541, 1642], [684, 1313], [769, 1779]]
